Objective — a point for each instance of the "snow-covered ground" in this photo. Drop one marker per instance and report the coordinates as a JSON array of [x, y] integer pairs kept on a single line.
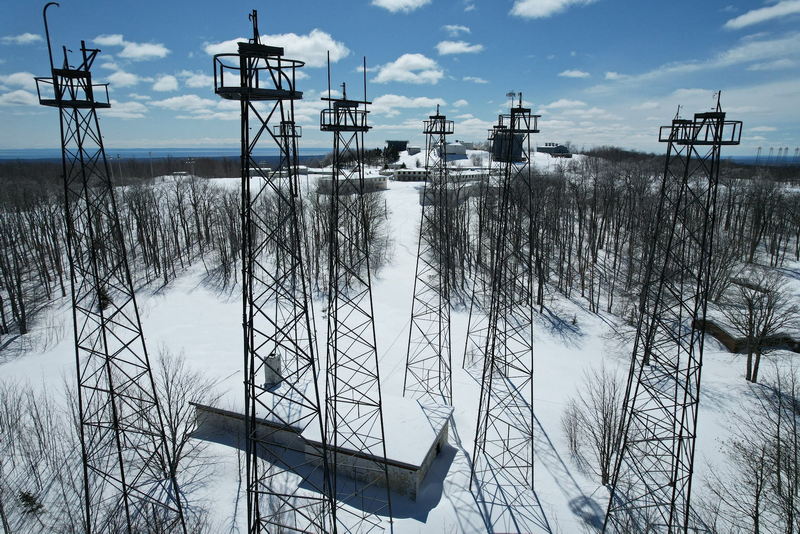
[[204, 324]]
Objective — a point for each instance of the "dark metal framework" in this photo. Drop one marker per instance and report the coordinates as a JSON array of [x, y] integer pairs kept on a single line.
[[287, 485], [480, 299], [353, 402], [428, 359], [503, 449], [128, 474], [652, 479]]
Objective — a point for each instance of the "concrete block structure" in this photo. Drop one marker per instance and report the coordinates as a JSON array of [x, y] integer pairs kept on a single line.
[[415, 435]]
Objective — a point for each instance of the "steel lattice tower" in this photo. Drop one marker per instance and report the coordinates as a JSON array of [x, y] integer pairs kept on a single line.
[[480, 300], [128, 474], [428, 359], [503, 449], [353, 404], [287, 487], [652, 478]]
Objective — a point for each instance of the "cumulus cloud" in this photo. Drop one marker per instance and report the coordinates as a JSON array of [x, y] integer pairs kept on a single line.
[[196, 79], [121, 78], [185, 103], [312, 47], [460, 103], [536, 9], [410, 68], [405, 6], [23, 80], [763, 14], [131, 50], [20, 97], [457, 47], [21, 39], [165, 83], [388, 104], [455, 29], [572, 73], [125, 110], [474, 79]]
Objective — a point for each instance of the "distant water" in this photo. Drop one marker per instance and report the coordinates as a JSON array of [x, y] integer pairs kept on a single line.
[[158, 153], [762, 160]]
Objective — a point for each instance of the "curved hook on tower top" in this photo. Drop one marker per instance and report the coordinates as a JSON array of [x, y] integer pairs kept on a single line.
[[254, 17], [47, 30]]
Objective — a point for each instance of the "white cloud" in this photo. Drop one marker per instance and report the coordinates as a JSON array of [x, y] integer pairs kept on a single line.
[[185, 103], [131, 50], [564, 103], [572, 73], [460, 103], [763, 14], [165, 83], [406, 6], [125, 110], [21, 39], [473, 127], [388, 104], [312, 47], [469, 7], [143, 51], [19, 97], [137, 96], [614, 76], [457, 47], [535, 9], [649, 104], [410, 68], [115, 39], [196, 79], [778, 64], [454, 29], [474, 79], [110, 65], [25, 80], [763, 129], [748, 52], [124, 79]]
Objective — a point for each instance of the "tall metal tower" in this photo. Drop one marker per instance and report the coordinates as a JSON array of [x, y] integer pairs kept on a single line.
[[503, 448], [128, 473], [428, 359], [480, 300], [652, 478], [353, 403], [287, 487]]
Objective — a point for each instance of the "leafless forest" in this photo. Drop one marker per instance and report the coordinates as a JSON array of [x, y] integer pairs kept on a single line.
[[586, 227]]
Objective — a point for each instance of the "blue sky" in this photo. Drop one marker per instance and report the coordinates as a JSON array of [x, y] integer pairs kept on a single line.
[[599, 71]]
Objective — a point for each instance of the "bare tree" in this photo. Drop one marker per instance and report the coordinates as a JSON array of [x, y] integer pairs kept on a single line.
[[760, 310], [592, 421], [758, 488]]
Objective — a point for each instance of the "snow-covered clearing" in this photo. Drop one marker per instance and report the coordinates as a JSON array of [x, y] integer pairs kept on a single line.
[[197, 320]]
